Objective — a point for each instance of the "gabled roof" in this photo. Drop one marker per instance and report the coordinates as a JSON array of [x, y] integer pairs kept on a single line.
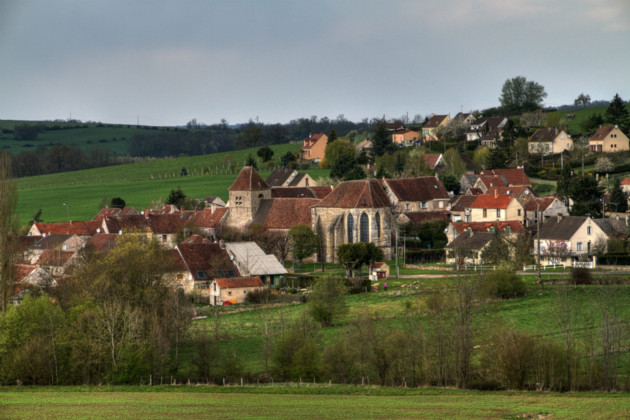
[[432, 159], [419, 217], [462, 202], [513, 191], [364, 193], [206, 261], [514, 177], [136, 222], [541, 203], [314, 138], [115, 211], [52, 241], [283, 213], [545, 135], [613, 227], [625, 181], [279, 176], [291, 192], [490, 181], [471, 240], [321, 192], [434, 121], [195, 240], [298, 178], [209, 218], [422, 188], [514, 225], [251, 259], [603, 131], [72, 228], [491, 201], [238, 282], [169, 223], [561, 228], [248, 180], [53, 257], [103, 242]]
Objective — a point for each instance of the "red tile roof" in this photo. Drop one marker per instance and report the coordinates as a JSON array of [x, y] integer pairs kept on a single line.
[[422, 188], [22, 271], [515, 226], [321, 192], [207, 259], [195, 240], [544, 202], [115, 211], [72, 228], [514, 177], [248, 180], [207, 218], [603, 131], [625, 181], [492, 181], [291, 192], [462, 202], [310, 142], [489, 201], [136, 223], [432, 159], [513, 191], [102, 242], [54, 257], [169, 223], [365, 193], [283, 213], [236, 282]]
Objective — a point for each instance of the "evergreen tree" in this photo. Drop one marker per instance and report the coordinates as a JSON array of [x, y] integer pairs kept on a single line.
[[586, 194], [497, 250], [381, 142], [332, 136], [251, 162], [618, 199], [563, 189], [617, 113], [176, 197]]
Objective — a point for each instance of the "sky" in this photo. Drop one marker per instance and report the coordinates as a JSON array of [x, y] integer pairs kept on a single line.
[[167, 62]]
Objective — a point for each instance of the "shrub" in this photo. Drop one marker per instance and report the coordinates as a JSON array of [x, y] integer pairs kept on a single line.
[[581, 276], [503, 284], [259, 296]]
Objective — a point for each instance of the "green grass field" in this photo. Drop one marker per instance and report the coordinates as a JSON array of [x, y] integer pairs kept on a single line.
[[305, 402]]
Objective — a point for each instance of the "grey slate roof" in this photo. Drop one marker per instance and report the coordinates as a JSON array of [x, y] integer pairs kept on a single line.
[[471, 240], [613, 227], [561, 228]]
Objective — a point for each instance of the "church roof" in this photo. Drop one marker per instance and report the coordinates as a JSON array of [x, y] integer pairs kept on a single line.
[[248, 180], [365, 193], [283, 213]]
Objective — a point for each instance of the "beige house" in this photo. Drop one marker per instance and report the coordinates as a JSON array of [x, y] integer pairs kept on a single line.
[[468, 247], [429, 129], [608, 139], [234, 289], [547, 141], [544, 208], [285, 177], [570, 239], [405, 138], [425, 193], [493, 207], [314, 147]]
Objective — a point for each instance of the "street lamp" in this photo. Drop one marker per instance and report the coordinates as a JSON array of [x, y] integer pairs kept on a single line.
[[68, 210]]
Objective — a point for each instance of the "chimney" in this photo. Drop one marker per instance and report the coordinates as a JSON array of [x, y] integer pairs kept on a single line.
[[496, 193], [559, 218]]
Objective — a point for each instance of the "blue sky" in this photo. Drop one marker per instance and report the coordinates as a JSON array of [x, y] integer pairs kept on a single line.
[[167, 62]]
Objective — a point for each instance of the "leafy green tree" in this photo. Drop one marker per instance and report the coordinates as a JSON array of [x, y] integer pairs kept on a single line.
[[451, 183], [381, 141], [519, 95], [564, 186], [304, 240], [251, 162], [356, 173], [341, 156], [295, 354], [617, 113], [251, 136], [586, 194], [592, 123], [354, 256], [288, 158], [583, 100], [618, 199], [363, 158], [326, 300], [332, 136], [481, 158], [497, 250], [117, 202], [454, 166], [176, 197], [266, 153]]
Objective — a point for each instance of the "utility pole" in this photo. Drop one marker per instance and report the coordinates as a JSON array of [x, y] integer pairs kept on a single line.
[[538, 238], [397, 268]]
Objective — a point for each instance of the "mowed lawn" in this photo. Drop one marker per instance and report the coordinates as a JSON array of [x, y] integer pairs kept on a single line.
[[317, 402]]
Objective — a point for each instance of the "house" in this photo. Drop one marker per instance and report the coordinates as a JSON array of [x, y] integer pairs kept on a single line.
[[487, 130], [115, 211], [355, 211], [460, 207], [430, 128], [523, 194], [609, 138], [251, 260], [625, 185], [425, 193], [57, 262], [82, 229], [284, 177], [468, 247], [233, 290], [467, 181], [547, 141], [405, 138], [467, 118], [380, 271], [364, 145], [208, 221], [203, 262], [27, 277], [511, 227], [63, 242], [486, 182], [569, 239], [394, 126], [513, 177], [433, 160], [544, 208], [418, 218], [214, 201], [493, 207], [314, 147], [613, 227]]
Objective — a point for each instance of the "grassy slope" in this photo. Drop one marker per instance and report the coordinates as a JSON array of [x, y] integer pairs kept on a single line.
[[305, 402], [138, 184]]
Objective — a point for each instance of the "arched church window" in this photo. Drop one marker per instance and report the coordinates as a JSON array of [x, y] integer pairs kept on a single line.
[[365, 228], [350, 225], [377, 220]]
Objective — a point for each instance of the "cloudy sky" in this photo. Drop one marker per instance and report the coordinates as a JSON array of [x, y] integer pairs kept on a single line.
[[167, 62]]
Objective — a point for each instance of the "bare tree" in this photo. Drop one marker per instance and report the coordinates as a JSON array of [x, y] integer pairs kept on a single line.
[[8, 230], [567, 317], [611, 330]]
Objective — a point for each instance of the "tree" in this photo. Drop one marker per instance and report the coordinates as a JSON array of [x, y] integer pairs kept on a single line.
[[532, 119], [341, 156], [176, 197], [356, 173], [304, 240], [592, 123], [326, 300], [497, 250], [354, 256], [618, 199], [8, 230], [604, 165], [332, 136], [381, 141], [251, 162], [288, 158], [451, 183], [266, 153], [250, 137], [564, 186], [453, 164], [117, 202], [480, 159], [586, 194], [617, 113], [583, 100], [519, 95]]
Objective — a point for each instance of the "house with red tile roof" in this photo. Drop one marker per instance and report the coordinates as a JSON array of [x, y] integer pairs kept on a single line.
[[355, 211], [493, 207], [209, 221], [29, 276], [544, 208], [433, 160], [608, 139], [485, 182], [429, 129], [204, 262], [459, 207], [234, 290], [511, 227], [83, 229], [514, 177], [57, 262], [115, 211], [314, 147], [425, 193], [625, 185]]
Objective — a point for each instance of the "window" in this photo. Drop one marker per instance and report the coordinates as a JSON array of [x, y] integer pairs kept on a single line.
[[498, 212], [365, 228], [163, 238], [508, 230], [441, 204], [588, 230], [485, 212], [518, 212], [350, 228], [579, 246], [406, 206], [424, 205], [377, 220], [238, 200], [491, 229]]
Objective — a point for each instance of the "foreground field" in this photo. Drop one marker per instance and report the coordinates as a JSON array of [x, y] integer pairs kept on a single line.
[[281, 402]]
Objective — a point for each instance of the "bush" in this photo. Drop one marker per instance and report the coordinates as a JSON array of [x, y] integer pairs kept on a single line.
[[503, 284], [581, 276], [259, 296]]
